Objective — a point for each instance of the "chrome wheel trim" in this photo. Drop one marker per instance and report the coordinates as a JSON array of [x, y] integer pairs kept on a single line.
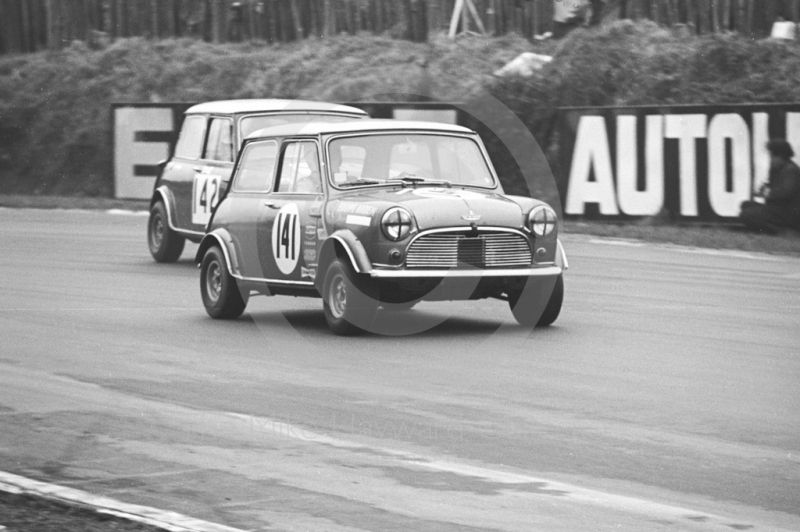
[[157, 231], [214, 280], [337, 296]]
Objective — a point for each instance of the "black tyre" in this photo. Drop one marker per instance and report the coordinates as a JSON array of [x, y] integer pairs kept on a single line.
[[219, 290], [528, 305], [165, 244], [349, 309]]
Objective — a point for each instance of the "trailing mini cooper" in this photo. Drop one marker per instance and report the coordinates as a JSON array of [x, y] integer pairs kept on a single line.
[[377, 213], [191, 183]]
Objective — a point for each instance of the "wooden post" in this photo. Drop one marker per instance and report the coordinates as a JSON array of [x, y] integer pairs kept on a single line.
[[527, 20], [26, 42], [10, 38], [297, 24], [327, 18], [38, 24], [154, 16], [53, 22]]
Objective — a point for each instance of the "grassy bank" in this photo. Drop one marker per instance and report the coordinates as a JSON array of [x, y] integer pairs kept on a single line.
[[55, 130], [54, 124]]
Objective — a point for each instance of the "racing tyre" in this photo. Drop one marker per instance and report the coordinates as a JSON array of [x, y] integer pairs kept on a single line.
[[221, 295], [527, 304], [348, 309], [165, 244]]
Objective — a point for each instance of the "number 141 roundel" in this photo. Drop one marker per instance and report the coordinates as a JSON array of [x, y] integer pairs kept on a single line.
[[286, 238]]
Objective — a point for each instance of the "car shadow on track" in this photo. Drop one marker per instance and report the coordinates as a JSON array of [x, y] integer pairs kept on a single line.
[[389, 324]]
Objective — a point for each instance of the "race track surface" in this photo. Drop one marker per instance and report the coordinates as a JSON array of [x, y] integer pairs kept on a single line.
[[666, 396]]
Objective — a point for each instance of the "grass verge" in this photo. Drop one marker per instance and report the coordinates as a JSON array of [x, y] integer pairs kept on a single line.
[[730, 237], [694, 235]]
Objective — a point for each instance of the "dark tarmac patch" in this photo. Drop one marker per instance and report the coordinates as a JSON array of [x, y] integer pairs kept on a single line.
[[741, 527], [29, 513], [446, 481]]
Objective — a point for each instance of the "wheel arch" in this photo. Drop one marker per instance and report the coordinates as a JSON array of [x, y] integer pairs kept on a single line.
[[561, 256], [342, 244], [164, 195], [222, 239]]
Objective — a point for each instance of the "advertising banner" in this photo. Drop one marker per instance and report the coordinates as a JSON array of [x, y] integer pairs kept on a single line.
[[697, 162], [146, 133]]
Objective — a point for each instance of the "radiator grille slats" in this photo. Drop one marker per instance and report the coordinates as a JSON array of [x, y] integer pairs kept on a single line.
[[486, 250]]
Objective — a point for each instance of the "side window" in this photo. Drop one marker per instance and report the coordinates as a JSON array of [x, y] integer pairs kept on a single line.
[[218, 145], [300, 169], [190, 142], [256, 167]]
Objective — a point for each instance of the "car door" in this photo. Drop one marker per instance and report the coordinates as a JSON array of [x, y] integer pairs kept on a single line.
[[179, 173], [251, 185], [291, 215], [216, 166]]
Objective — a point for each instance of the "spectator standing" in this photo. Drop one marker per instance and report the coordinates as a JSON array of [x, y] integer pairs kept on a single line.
[[781, 193], [568, 15], [571, 14]]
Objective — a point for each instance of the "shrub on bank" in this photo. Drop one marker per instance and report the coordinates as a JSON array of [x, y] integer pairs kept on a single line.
[[55, 128]]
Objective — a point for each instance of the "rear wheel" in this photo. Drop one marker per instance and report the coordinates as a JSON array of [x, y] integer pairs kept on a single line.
[[165, 244], [528, 305], [219, 290], [348, 309]]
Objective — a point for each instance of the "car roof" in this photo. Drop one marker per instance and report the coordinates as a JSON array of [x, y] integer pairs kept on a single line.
[[356, 126], [271, 105]]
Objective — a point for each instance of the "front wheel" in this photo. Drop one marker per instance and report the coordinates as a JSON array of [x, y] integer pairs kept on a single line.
[[528, 306], [348, 310], [165, 244], [219, 290]]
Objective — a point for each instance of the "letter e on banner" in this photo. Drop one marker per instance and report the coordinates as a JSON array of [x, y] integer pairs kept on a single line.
[[130, 154], [591, 151], [731, 126]]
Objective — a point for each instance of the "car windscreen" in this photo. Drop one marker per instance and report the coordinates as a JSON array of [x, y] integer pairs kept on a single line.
[[250, 124], [374, 159]]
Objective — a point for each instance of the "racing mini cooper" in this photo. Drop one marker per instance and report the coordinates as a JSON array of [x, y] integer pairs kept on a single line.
[[191, 183], [377, 213]]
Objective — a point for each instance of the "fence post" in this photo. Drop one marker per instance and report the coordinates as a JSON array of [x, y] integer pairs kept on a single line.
[[53, 31], [296, 21]]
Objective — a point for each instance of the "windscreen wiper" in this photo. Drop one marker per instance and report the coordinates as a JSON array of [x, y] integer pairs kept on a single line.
[[415, 180], [362, 181]]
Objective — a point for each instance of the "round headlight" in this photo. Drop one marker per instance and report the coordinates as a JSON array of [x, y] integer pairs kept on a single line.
[[542, 220], [396, 223]]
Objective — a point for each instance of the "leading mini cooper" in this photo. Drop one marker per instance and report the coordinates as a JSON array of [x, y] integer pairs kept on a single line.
[[191, 183], [377, 213]]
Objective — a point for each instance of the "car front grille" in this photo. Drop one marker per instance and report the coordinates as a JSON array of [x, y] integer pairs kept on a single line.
[[484, 250]]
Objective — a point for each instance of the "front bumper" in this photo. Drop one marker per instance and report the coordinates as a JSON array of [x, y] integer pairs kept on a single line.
[[548, 271]]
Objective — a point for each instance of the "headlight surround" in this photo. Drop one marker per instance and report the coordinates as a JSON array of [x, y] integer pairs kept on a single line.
[[542, 220], [397, 223]]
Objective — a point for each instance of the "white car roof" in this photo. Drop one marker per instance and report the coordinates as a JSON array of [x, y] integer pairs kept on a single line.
[[357, 126], [271, 105]]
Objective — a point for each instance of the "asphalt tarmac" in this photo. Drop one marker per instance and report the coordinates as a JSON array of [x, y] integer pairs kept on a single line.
[[666, 396]]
